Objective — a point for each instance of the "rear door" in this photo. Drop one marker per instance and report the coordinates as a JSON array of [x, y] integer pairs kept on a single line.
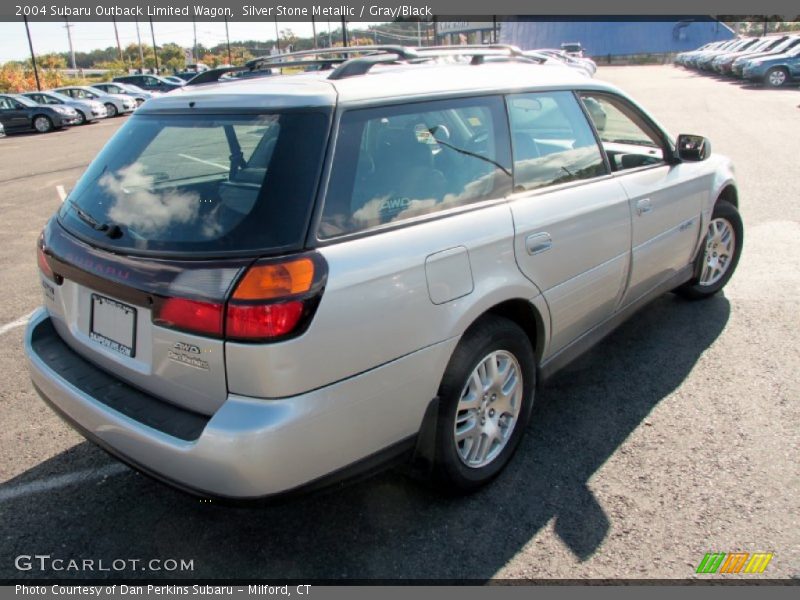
[[665, 199], [14, 116], [571, 218]]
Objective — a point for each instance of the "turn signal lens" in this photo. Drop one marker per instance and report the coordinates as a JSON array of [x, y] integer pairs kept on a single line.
[[204, 318], [270, 281]]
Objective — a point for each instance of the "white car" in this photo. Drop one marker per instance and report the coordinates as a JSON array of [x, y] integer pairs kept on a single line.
[[116, 104], [125, 89]]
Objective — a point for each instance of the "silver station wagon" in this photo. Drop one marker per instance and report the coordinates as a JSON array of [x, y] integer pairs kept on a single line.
[[268, 283]]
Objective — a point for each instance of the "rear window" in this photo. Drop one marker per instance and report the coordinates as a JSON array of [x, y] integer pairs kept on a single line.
[[210, 184]]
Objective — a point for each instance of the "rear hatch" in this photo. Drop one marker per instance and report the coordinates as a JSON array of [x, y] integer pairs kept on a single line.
[[139, 264]]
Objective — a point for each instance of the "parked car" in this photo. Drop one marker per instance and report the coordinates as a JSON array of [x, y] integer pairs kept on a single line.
[[723, 64], [149, 83], [705, 60], [774, 70], [18, 113], [584, 64], [692, 58], [738, 65], [263, 285], [88, 111], [124, 89], [186, 75], [573, 49], [2, 130], [116, 104]]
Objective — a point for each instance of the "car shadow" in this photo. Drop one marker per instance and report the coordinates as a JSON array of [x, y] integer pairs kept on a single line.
[[388, 527]]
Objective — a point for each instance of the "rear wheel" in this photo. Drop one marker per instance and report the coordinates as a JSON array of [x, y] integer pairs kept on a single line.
[[111, 110], [42, 124], [485, 402], [776, 77], [717, 260]]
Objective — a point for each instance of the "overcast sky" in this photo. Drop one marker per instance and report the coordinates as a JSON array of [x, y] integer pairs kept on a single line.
[[52, 37]]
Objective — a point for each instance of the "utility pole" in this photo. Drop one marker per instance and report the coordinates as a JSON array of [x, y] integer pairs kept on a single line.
[[194, 47], [314, 29], [116, 35], [419, 33], [155, 49], [69, 38], [344, 32], [33, 56], [228, 40], [277, 36], [141, 52], [330, 39]]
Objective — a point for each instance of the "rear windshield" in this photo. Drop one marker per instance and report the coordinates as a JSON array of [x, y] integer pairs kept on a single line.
[[207, 184]]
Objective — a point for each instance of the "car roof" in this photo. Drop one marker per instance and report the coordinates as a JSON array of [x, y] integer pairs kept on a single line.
[[401, 82]]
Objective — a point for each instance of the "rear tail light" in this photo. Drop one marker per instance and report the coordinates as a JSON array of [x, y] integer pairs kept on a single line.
[[44, 267], [274, 299], [204, 318]]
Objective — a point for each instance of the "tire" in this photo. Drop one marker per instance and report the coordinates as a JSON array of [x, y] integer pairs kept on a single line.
[[463, 463], [42, 124], [776, 77], [81, 117], [716, 262], [111, 110]]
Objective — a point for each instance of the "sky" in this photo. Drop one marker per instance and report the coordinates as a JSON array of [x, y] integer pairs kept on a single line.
[[87, 36]]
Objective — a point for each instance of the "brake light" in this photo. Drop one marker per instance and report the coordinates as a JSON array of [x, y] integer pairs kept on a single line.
[[263, 320], [190, 315], [44, 267], [274, 299]]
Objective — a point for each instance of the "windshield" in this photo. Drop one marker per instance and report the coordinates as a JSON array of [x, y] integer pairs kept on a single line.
[[215, 184], [25, 101], [57, 96]]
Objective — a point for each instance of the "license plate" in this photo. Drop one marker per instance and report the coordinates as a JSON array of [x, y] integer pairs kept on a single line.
[[113, 325]]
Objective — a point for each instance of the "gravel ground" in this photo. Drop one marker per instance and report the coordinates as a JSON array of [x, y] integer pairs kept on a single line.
[[676, 436]]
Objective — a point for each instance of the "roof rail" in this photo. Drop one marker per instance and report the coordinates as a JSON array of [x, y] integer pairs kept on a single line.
[[360, 66], [404, 52], [469, 49]]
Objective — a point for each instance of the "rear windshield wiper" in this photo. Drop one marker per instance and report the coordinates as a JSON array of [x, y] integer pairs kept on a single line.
[[110, 229]]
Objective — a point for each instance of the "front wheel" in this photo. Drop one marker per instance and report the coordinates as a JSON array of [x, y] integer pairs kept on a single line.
[[42, 124], [719, 256], [81, 118], [776, 77], [485, 402], [111, 110]]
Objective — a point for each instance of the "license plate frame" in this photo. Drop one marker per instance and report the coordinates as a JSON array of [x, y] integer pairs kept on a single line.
[[112, 324]]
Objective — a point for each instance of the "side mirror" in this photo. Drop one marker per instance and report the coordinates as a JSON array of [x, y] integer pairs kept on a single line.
[[693, 147]]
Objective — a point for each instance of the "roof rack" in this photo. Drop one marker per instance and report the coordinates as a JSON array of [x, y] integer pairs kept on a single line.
[[386, 53], [345, 66]]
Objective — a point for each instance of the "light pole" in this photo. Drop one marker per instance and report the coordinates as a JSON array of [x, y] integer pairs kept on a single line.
[[69, 38], [141, 52], [33, 56], [155, 49]]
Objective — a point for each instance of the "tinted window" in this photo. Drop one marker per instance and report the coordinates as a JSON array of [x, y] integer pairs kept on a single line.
[[398, 162], [628, 141], [202, 183], [552, 140]]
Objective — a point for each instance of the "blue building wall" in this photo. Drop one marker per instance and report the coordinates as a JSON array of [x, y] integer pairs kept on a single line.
[[617, 38]]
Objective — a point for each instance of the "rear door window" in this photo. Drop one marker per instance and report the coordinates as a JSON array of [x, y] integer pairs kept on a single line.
[[399, 162]]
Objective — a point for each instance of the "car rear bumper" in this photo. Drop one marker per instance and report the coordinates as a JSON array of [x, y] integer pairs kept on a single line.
[[251, 447]]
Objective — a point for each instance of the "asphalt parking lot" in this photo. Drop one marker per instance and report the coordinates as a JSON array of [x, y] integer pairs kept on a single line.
[[677, 436]]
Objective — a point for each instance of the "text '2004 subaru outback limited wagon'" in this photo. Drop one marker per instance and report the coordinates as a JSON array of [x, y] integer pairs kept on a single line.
[[264, 284]]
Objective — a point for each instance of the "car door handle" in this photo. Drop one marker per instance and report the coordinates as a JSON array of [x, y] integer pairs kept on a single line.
[[537, 243], [643, 206]]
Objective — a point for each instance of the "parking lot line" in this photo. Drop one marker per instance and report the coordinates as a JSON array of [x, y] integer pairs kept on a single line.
[[205, 162], [61, 192], [14, 324], [12, 492]]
